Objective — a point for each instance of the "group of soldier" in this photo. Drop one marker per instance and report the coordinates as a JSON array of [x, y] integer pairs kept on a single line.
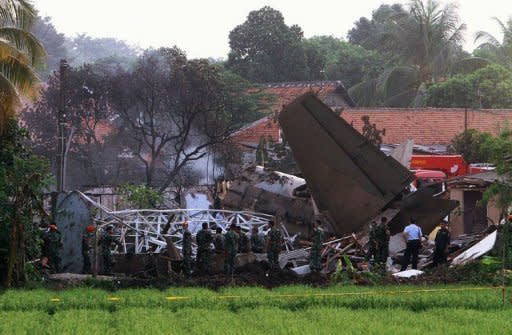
[[52, 243], [228, 245], [379, 236], [234, 241]]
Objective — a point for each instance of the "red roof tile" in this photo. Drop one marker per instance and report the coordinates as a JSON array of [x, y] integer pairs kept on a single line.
[[425, 126]]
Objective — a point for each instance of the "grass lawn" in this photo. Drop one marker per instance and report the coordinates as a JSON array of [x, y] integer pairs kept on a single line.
[[285, 310]]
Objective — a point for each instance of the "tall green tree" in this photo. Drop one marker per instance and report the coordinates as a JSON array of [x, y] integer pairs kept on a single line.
[[265, 49], [52, 41], [20, 52], [426, 44], [488, 87], [494, 49], [23, 176], [341, 60]]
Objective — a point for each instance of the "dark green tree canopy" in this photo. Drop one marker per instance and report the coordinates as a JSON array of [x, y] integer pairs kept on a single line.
[[265, 49], [489, 87]]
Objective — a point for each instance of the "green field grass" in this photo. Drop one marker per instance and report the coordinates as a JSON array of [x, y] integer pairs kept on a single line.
[[285, 310]]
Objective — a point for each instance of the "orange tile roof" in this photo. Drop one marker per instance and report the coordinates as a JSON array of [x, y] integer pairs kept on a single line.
[[426, 126]]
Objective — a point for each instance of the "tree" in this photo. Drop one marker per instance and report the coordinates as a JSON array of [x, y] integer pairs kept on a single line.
[[470, 144], [97, 151], [52, 41], [20, 52], [492, 48], [342, 60], [175, 109], [426, 44], [372, 34], [489, 87], [500, 150], [265, 49], [23, 176], [84, 49]]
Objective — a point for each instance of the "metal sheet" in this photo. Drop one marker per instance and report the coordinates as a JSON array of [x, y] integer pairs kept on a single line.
[[479, 249], [350, 179], [426, 210]]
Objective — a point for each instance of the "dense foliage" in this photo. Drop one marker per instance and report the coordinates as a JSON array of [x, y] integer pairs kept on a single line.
[[22, 179], [470, 144], [20, 54], [489, 87]]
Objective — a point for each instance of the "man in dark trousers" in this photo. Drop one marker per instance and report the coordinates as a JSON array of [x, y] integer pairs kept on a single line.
[[412, 235], [204, 239], [442, 240], [88, 244], [273, 244], [187, 250], [315, 256], [51, 248], [231, 249], [106, 242]]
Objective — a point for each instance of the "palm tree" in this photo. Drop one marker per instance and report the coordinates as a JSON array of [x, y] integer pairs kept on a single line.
[[426, 44], [20, 53], [500, 52]]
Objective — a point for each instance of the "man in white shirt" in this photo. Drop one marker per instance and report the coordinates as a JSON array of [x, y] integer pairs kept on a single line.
[[412, 235]]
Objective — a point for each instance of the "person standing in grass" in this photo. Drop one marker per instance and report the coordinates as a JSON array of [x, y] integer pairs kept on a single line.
[[231, 248], [244, 246], [88, 247], [316, 247], [52, 245], [442, 241], [204, 239], [382, 235], [219, 241], [412, 235], [187, 250], [273, 247], [106, 241], [257, 241]]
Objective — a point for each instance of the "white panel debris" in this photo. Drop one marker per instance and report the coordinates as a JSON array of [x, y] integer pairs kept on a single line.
[[408, 273], [479, 249], [302, 270]]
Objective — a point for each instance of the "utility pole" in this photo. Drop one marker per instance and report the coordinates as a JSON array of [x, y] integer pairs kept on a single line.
[[61, 128], [465, 107]]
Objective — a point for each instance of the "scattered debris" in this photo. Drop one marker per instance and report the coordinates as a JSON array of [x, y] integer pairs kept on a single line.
[[408, 273]]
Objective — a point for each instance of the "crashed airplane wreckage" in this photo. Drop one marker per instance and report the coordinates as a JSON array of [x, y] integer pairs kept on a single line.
[[348, 181]]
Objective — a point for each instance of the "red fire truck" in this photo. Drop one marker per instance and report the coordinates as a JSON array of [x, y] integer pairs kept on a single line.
[[451, 165]]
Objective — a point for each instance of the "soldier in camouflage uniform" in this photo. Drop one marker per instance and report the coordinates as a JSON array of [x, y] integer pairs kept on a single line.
[[244, 245], [219, 241], [273, 247], [52, 244], [88, 247], [379, 241], [187, 250], [316, 247], [106, 241], [257, 241], [231, 248], [204, 239]]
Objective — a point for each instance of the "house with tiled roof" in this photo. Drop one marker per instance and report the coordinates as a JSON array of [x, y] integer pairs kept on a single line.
[[425, 126], [332, 93]]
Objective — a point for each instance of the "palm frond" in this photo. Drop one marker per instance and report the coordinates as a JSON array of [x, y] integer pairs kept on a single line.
[[486, 40], [364, 93], [9, 100], [21, 75], [25, 41]]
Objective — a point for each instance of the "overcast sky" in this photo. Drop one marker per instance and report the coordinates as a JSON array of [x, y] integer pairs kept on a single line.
[[201, 28]]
